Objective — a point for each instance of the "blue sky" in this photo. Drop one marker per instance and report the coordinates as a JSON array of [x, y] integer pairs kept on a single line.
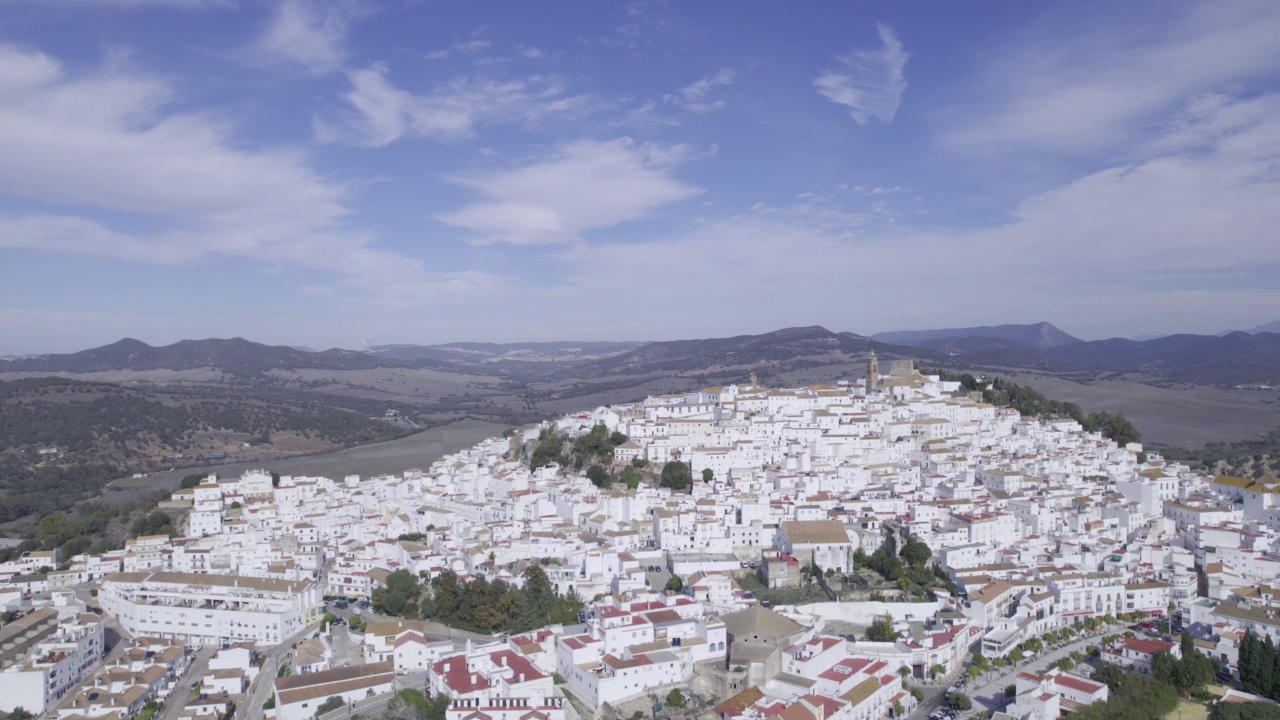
[[347, 172]]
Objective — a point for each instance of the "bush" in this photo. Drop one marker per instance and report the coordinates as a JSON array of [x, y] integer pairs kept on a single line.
[[332, 703]]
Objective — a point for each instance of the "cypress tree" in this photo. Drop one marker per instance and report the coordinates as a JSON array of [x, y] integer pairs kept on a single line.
[[1248, 662], [1266, 659]]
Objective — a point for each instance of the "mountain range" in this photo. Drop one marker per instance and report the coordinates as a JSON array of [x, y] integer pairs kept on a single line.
[[1039, 335], [1232, 359]]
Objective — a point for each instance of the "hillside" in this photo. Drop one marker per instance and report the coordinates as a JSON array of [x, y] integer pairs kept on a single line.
[[772, 351], [1237, 358], [1041, 335], [91, 433], [235, 356]]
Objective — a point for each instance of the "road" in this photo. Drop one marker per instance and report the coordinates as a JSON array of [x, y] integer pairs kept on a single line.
[[988, 691], [177, 700], [260, 690]]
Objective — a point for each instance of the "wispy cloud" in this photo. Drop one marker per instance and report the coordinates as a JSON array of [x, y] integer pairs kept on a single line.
[[311, 34], [190, 4], [1101, 90], [462, 48], [870, 82], [380, 113], [1157, 235], [696, 97], [584, 185], [105, 154]]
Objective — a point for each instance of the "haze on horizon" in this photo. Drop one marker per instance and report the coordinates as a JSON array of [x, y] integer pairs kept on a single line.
[[343, 172]]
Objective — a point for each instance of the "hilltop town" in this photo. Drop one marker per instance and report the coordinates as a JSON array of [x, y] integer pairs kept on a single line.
[[874, 548]]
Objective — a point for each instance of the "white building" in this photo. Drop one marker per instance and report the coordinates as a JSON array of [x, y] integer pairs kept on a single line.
[[210, 609]]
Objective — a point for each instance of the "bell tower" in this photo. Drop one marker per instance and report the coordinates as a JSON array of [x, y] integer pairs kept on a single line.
[[873, 373]]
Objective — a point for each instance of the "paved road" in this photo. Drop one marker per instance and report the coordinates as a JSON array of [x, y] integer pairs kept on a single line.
[[988, 691], [260, 690], [177, 700]]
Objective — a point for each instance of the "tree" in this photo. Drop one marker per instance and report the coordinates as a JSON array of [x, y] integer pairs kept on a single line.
[[539, 598], [1164, 668], [20, 713], [675, 698], [881, 630], [631, 477], [598, 475], [675, 584], [1033, 646], [676, 475], [937, 670], [1248, 661], [959, 701], [916, 552], [1016, 655], [917, 693], [981, 663], [904, 671], [708, 475], [332, 703], [1011, 691]]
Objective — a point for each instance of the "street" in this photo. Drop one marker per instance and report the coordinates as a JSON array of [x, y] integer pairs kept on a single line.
[[988, 694]]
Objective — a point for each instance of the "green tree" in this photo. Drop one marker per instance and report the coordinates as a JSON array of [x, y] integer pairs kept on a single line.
[[1016, 655], [1164, 668], [598, 475], [190, 481], [708, 475], [539, 598], [959, 701], [675, 584], [632, 477], [675, 698], [881, 630], [332, 703], [20, 713], [676, 475], [916, 552]]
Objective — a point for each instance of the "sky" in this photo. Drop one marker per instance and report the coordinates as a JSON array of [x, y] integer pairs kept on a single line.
[[341, 173]]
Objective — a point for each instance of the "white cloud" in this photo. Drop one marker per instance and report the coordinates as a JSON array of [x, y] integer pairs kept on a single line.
[[463, 48], [193, 4], [107, 142], [696, 98], [1073, 93], [585, 185], [1177, 240], [380, 113], [531, 52], [308, 33], [871, 83]]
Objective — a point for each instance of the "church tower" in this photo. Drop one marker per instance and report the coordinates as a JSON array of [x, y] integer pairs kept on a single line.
[[873, 373]]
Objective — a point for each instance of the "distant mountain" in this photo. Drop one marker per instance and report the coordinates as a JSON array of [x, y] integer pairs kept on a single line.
[[1237, 358], [789, 348], [235, 356], [471, 352], [1271, 327], [1039, 335]]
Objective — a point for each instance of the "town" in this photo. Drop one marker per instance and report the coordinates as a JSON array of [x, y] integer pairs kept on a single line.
[[884, 547]]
